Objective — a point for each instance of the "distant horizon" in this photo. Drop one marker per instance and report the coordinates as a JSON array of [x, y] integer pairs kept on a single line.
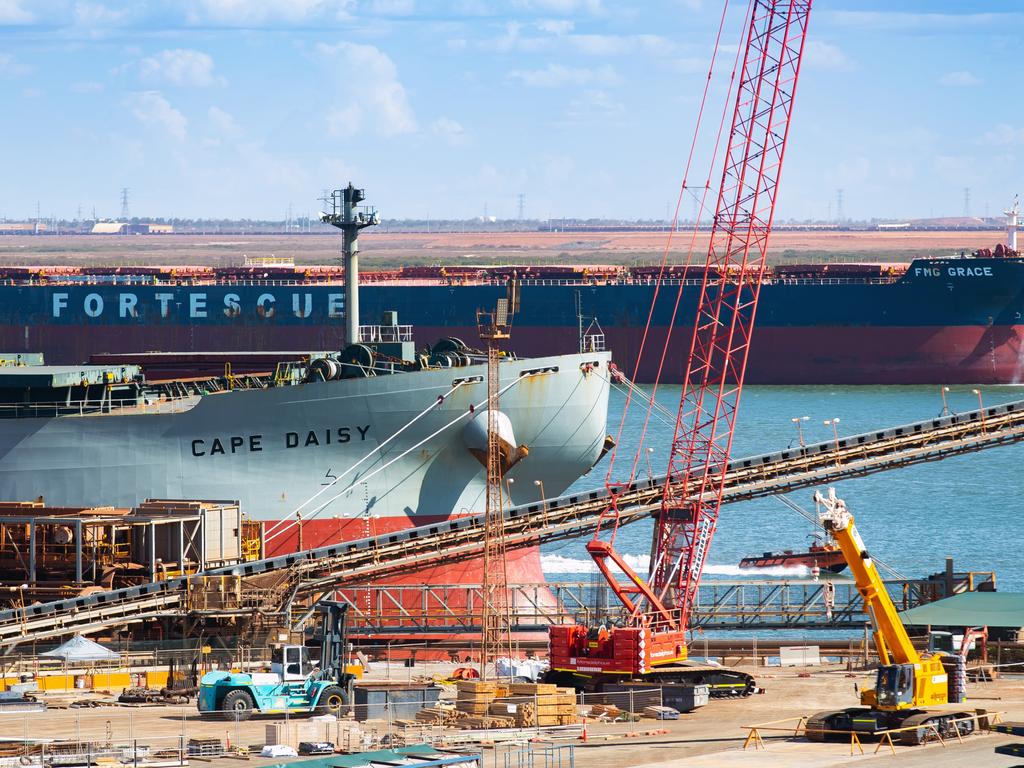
[[300, 223]]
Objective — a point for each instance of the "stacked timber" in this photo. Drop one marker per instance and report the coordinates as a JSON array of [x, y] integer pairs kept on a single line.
[[475, 696], [540, 704], [474, 702], [439, 716]]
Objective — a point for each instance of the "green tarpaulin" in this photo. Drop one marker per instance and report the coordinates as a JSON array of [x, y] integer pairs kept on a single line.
[[970, 609]]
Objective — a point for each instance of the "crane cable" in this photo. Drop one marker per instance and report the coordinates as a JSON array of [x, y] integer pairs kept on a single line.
[[403, 454], [813, 519], [668, 245], [294, 513]]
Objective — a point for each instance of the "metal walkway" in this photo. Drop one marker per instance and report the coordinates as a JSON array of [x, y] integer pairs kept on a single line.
[[313, 572], [750, 603]]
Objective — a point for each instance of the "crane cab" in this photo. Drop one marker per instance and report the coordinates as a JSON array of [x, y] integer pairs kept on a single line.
[[894, 687], [291, 663], [909, 686]]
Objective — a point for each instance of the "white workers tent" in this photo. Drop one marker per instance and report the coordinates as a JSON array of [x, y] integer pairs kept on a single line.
[[80, 648]]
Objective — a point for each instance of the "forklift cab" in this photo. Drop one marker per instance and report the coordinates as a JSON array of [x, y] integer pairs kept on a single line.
[[291, 662], [894, 686]]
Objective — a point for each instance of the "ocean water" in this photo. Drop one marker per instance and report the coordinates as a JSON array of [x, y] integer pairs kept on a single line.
[[968, 507]]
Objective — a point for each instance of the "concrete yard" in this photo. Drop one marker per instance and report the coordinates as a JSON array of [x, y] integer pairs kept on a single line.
[[710, 736]]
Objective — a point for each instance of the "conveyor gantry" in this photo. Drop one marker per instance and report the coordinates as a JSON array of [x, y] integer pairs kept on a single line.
[[315, 571]]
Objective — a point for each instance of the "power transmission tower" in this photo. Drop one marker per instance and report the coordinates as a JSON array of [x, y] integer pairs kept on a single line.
[[967, 202], [125, 215], [839, 206], [522, 205]]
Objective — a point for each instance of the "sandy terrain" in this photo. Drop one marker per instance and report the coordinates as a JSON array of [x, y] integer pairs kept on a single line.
[[383, 249], [711, 736]]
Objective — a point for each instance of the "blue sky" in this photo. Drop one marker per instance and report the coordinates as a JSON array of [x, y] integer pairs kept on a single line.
[[440, 107]]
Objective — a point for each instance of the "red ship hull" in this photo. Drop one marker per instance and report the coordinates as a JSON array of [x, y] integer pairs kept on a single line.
[[830, 560]]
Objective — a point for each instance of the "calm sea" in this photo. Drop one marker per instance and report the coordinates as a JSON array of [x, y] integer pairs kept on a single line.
[[968, 507]]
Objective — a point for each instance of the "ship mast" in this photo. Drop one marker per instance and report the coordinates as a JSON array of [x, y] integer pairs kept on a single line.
[[1012, 224], [349, 218]]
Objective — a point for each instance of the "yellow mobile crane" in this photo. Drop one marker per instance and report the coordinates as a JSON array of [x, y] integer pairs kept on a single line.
[[906, 680]]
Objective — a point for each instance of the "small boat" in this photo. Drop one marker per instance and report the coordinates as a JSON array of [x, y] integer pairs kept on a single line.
[[826, 557]]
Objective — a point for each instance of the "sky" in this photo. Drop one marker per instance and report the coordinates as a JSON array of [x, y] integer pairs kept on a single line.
[[454, 108]]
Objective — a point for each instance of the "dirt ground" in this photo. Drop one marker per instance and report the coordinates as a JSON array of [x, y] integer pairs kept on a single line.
[[710, 736], [382, 249]]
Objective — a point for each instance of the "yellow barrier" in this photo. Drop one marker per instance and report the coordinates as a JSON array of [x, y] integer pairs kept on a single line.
[[984, 721], [156, 678], [991, 719], [107, 680], [56, 682]]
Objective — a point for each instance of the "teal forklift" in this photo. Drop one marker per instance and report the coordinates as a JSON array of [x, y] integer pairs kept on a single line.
[[295, 685]]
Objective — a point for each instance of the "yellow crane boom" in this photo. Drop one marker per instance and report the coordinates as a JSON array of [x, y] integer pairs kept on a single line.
[[906, 680]]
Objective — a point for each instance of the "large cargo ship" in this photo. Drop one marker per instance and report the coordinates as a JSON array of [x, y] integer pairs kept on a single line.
[[949, 320], [322, 447]]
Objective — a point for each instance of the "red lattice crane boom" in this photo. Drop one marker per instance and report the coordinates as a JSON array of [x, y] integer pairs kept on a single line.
[[728, 300], [659, 609]]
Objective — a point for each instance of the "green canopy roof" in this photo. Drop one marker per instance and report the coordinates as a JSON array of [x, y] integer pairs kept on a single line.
[[970, 609]]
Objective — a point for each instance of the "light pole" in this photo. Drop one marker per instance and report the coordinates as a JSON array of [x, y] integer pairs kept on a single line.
[[650, 472], [981, 408], [543, 496], [508, 488], [834, 423], [799, 429], [945, 405]]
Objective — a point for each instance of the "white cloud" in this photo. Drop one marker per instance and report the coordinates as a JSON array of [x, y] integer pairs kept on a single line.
[[11, 12], [612, 45], [87, 86], [10, 67], [448, 129], [393, 7], [181, 67], [594, 105], [223, 122], [381, 98], [151, 108], [345, 121], [556, 26], [1003, 135], [249, 12], [97, 15], [561, 6], [960, 78], [821, 55], [557, 76]]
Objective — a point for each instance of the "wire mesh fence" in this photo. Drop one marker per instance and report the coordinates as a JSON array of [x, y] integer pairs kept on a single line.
[[148, 733]]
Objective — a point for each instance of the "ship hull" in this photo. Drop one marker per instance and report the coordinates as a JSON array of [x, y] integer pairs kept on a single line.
[[939, 323], [320, 451]]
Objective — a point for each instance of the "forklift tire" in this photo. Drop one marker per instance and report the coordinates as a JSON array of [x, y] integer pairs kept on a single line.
[[237, 705], [332, 702]]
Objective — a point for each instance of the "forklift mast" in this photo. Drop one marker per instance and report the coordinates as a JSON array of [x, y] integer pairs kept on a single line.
[[334, 625]]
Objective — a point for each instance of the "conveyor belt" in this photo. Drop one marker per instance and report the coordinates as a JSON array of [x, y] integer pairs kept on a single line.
[[313, 571]]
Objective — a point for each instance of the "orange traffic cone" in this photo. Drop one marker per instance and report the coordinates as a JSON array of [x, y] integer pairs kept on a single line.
[[583, 733]]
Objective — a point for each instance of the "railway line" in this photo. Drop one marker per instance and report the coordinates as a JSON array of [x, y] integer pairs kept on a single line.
[[304, 576]]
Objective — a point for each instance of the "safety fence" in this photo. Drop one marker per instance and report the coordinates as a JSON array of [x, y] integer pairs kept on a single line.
[[86, 732]]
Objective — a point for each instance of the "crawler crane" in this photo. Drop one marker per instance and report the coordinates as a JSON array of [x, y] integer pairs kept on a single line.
[[906, 681], [650, 642]]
